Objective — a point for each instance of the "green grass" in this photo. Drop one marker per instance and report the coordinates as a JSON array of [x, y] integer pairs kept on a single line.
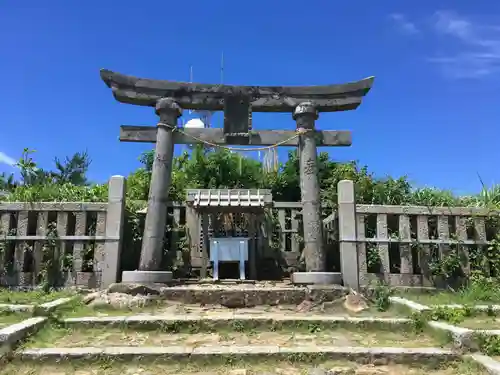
[[461, 297], [32, 297], [10, 317]]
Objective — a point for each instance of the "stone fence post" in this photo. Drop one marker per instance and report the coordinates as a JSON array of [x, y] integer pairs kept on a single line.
[[114, 230], [348, 234]]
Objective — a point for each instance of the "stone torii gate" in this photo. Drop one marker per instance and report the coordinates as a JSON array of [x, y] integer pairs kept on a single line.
[[238, 102]]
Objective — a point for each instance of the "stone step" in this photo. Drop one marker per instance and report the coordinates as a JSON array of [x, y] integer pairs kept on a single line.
[[228, 332], [257, 366], [231, 320], [204, 352], [238, 295]]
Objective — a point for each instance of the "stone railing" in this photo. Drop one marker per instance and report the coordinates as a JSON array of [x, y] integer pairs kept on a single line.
[[331, 242], [87, 239], [399, 244]]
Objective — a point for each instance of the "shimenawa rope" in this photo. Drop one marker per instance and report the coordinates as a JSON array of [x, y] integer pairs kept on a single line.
[[298, 133]]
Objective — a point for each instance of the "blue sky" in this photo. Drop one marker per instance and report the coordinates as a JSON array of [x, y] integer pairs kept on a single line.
[[432, 113]]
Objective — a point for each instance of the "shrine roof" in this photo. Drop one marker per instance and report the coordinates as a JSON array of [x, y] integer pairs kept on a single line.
[[229, 197]]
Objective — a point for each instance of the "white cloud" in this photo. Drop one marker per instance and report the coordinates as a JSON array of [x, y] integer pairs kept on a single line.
[[448, 22], [478, 46], [404, 24], [6, 159]]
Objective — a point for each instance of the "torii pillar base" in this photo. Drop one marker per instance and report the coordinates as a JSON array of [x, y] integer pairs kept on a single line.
[[147, 277], [317, 278]]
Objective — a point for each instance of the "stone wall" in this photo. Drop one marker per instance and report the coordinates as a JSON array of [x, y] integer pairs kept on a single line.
[[397, 244]]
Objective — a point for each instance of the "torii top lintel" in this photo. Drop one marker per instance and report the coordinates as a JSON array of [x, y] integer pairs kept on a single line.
[[146, 92]]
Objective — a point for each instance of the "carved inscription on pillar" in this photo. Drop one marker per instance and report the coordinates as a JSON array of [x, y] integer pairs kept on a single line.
[[310, 166], [162, 158]]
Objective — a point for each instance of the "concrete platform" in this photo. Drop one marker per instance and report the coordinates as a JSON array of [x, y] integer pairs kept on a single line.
[[147, 277], [233, 294]]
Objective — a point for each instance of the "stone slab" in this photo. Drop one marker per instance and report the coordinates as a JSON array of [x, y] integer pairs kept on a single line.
[[248, 295], [11, 335], [394, 355], [40, 309], [406, 302], [317, 278], [51, 306], [147, 277]]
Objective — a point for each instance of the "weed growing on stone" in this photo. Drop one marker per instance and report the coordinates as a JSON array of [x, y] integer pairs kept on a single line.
[[418, 321], [419, 324], [488, 344], [451, 315], [381, 295], [465, 316]]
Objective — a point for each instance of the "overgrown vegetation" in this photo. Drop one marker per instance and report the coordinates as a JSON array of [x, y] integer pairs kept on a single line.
[[451, 315], [488, 344], [209, 168]]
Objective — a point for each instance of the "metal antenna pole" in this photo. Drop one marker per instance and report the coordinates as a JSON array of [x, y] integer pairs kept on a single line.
[[222, 68], [190, 81]]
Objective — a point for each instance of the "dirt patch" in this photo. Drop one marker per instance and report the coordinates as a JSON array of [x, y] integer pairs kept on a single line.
[[235, 368], [81, 337]]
